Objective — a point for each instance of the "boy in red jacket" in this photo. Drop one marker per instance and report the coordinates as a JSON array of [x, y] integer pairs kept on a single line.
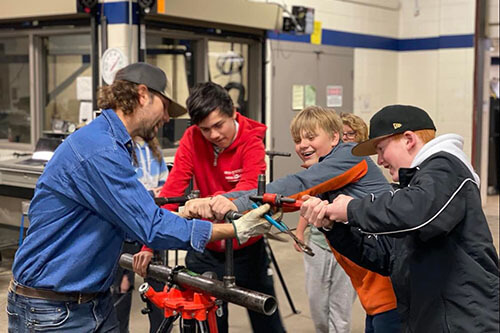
[[223, 151]]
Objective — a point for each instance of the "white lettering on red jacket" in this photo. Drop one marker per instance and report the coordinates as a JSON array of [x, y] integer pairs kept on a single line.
[[233, 176]]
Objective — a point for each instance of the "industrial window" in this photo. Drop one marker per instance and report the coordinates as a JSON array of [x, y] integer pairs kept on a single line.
[[38, 84], [15, 114], [66, 77]]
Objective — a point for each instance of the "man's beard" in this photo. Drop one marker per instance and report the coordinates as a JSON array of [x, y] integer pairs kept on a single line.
[[150, 134]]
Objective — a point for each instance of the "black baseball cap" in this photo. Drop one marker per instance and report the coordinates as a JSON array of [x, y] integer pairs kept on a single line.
[[390, 120], [155, 79]]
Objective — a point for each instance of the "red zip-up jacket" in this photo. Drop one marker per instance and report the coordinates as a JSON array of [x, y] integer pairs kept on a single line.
[[236, 168]]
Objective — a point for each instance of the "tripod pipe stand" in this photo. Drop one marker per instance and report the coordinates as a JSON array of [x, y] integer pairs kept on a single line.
[[261, 189]]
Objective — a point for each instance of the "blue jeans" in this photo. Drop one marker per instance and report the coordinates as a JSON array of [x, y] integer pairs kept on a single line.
[[385, 322], [32, 314]]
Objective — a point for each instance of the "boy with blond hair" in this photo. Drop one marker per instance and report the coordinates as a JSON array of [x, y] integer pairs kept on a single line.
[[315, 131]]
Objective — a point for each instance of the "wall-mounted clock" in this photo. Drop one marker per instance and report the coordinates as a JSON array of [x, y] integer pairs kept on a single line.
[[112, 60]]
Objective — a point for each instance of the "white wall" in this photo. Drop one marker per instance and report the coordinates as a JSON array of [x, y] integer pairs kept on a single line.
[[375, 81], [438, 80], [375, 71], [354, 17]]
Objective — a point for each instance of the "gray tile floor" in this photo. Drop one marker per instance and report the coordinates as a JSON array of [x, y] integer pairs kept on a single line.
[[291, 265]]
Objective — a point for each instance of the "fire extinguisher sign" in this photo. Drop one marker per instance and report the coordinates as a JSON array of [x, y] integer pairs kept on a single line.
[[333, 96]]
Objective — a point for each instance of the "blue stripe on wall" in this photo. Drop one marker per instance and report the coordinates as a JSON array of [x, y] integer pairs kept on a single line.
[[349, 39], [117, 12], [417, 44], [434, 43], [291, 37]]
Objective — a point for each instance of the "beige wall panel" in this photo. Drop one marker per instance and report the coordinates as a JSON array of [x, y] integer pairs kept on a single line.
[[233, 12], [375, 81], [418, 79], [124, 38], [35, 8], [440, 82], [420, 19]]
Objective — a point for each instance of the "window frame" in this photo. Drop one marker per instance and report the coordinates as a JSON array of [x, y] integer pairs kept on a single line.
[[35, 56]]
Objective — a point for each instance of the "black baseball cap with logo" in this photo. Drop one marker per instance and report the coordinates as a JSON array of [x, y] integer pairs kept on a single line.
[[155, 79], [390, 120]]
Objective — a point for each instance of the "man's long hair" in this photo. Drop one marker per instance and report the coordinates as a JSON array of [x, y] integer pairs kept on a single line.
[[121, 95]]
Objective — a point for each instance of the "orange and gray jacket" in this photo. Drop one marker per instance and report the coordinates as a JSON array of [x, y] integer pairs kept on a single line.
[[339, 172]]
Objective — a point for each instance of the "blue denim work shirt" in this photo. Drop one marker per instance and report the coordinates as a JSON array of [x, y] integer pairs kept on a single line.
[[86, 202]]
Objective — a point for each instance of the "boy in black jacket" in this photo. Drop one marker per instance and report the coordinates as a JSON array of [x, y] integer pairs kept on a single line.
[[430, 236]]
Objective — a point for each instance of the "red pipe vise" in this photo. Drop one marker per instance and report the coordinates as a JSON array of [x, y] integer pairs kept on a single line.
[[186, 303]]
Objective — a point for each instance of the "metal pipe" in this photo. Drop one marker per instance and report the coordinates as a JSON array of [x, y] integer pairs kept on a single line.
[[160, 201], [232, 215], [261, 184], [104, 41], [228, 278], [104, 32], [249, 299], [94, 58], [261, 189]]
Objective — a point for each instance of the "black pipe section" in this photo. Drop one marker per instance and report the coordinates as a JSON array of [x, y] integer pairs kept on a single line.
[[272, 153], [261, 184], [141, 57], [160, 201], [261, 189], [94, 58], [279, 199], [232, 215], [229, 278], [249, 299]]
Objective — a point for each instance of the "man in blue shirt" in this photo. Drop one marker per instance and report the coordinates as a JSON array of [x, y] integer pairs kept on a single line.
[[88, 200]]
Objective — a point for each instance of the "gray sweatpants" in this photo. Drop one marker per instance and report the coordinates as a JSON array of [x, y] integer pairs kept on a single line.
[[330, 292]]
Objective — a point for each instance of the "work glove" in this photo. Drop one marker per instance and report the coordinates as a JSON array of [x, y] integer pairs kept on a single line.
[[252, 224]]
